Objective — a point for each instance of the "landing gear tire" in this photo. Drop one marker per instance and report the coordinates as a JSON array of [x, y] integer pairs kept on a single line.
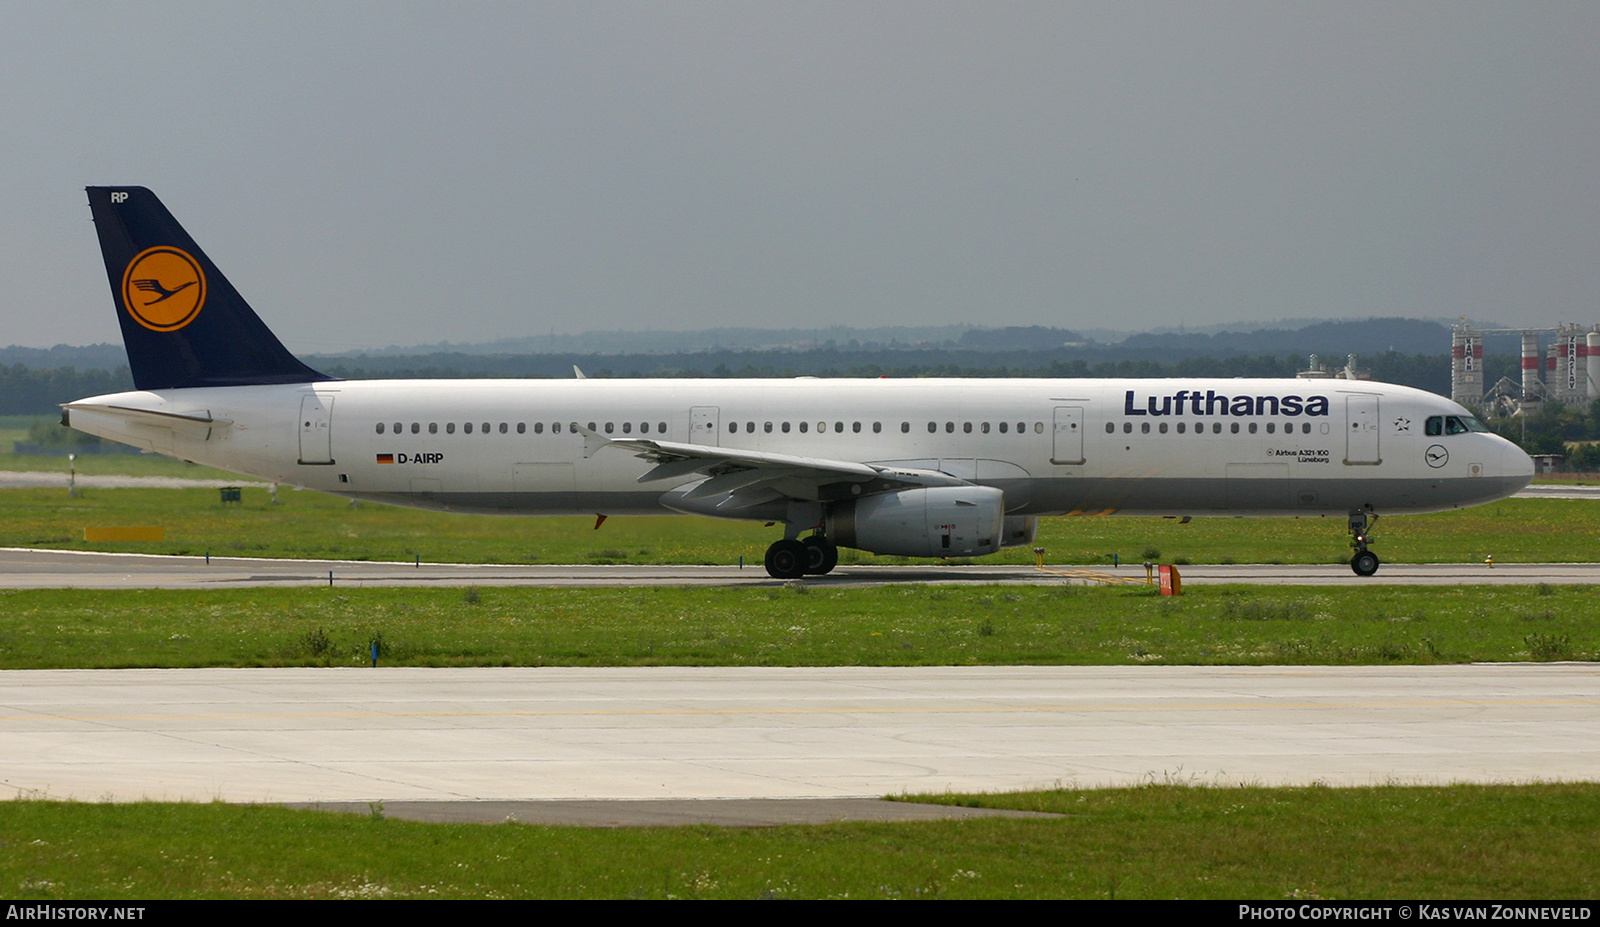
[[1364, 563], [822, 555], [787, 559]]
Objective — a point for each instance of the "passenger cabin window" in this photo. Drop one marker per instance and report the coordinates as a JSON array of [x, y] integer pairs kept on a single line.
[[380, 428]]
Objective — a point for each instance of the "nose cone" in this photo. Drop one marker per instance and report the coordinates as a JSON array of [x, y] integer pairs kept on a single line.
[[1513, 468]]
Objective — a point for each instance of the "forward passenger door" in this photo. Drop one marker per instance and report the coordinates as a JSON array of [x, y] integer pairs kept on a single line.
[[1361, 431]]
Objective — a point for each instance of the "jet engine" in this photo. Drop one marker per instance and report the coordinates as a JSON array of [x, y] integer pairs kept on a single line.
[[942, 521], [1019, 531]]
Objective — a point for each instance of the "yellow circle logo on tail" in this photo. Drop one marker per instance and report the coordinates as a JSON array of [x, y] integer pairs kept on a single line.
[[163, 288]]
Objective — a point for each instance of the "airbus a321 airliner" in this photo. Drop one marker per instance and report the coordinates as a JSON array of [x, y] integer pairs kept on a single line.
[[913, 467]]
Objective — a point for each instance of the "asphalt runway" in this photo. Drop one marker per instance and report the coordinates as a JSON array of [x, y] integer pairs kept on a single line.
[[503, 742], [50, 569]]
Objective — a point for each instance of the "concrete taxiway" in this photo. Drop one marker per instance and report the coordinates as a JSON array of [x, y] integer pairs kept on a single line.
[[648, 734], [757, 746], [48, 569]]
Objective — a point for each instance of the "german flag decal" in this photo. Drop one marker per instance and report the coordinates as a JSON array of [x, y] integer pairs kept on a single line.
[[385, 458]]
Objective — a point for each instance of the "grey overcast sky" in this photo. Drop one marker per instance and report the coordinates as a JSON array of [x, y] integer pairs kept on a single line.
[[371, 174]]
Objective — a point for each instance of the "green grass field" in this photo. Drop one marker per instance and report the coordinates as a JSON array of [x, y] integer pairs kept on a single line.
[[319, 526], [908, 625], [1161, 841]]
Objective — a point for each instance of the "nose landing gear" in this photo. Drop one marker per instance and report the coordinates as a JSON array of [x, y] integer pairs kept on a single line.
[[1365, 562]]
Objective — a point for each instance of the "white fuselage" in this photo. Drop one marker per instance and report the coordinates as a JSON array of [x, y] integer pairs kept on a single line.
[[1055, 447]]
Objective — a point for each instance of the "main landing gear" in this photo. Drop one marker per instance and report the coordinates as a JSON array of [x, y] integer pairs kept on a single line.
[[792, 558], [1365, 562]]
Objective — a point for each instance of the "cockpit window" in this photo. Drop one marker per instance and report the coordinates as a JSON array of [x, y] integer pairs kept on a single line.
[[1452, 425], [1461, 424]]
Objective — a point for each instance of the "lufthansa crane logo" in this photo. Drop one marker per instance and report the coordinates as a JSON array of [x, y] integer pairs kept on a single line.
[[163, 288]]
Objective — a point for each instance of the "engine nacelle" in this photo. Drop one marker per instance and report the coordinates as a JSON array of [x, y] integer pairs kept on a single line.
[[943, 521], [1019, 531]]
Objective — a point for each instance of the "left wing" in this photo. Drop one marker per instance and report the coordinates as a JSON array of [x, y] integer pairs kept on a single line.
[[745, 477]]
